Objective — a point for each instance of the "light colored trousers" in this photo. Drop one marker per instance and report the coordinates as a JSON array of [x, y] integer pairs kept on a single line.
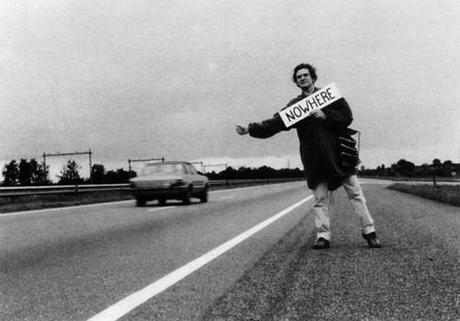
[[356, 197]]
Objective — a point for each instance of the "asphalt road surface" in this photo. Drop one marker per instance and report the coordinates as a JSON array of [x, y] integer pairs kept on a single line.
[[415, 276], [245, 255]]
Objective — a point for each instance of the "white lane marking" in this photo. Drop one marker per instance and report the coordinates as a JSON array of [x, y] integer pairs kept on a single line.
[[159, 208], [122, 307], [55, 209], [227, 197]]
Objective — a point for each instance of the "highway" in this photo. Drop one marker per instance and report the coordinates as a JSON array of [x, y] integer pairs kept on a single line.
[[242, 256], [70, 264]]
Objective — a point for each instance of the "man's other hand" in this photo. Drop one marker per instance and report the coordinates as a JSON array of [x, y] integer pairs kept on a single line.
[[318, 113], [242, 130]]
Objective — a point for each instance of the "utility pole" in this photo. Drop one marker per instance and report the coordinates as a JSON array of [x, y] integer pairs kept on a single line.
[[44, 165], [90, 167], [89, 153]]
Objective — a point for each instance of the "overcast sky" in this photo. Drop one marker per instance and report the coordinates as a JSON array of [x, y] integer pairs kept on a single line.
[[143, 79]]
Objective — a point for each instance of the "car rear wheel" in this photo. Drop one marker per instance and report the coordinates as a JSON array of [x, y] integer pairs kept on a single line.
[[140, 202]]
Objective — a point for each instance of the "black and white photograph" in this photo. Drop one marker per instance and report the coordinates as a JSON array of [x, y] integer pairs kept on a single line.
[[214, 160]]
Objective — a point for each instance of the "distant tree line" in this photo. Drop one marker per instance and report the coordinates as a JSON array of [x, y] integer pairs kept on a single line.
[[404, 168], [25, 173], [30, 172], [100, 176], [254, 173]]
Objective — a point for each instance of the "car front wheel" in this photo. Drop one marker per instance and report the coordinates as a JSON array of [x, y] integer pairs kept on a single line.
[[204, 196], [186, 196]]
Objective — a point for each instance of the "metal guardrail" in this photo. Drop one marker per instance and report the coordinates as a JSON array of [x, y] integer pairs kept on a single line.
[[18, 191], [59, 189]]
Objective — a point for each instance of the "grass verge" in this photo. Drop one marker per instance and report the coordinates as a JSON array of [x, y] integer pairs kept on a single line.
[[449, 194], [34, 202]]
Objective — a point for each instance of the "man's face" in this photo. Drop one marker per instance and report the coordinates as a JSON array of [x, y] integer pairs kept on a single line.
[[303, 78]]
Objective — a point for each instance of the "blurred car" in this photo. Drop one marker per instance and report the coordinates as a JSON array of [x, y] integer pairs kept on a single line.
[[169, 180]]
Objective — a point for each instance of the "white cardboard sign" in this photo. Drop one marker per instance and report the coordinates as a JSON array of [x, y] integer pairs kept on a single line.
[[304, 107]]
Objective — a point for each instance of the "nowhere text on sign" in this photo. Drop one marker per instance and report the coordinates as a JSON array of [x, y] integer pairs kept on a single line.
[[304, 107]]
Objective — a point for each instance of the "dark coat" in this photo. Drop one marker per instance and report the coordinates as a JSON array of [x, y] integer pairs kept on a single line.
[[319, 142]]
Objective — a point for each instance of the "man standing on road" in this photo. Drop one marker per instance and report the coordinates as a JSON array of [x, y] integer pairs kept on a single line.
[[326, 169]]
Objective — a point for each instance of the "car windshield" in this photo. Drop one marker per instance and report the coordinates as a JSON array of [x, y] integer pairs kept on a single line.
[[163, 169]]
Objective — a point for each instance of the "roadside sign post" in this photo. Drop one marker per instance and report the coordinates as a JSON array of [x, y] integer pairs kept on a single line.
[[89, 153]]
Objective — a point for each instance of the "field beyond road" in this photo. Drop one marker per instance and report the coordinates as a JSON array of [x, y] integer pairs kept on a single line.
[[449, 194], [415, 276]]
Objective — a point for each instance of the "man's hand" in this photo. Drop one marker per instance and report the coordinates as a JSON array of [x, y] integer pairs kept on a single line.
[[242, 130], [318, 113]]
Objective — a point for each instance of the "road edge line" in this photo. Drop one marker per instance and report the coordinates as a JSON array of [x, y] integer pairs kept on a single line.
[[126, 305]]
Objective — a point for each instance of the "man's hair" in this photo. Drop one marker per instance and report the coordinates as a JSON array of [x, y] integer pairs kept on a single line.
[[310, 68]]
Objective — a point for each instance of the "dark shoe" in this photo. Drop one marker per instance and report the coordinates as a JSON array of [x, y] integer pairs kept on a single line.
[[320, 244], [372, 240]]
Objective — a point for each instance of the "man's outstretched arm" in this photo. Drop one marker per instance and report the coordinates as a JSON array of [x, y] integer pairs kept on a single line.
[[263, 129]]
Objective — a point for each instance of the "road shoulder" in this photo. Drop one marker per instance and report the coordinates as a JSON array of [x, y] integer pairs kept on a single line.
[[414, 277]]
